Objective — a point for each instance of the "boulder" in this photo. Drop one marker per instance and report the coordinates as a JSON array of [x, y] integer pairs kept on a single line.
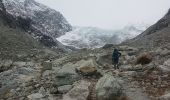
[[5, 65], [144, 58], [165, 67], [68, 68], [19, 64], [165, 97], [66, 75], [108, 88], [65, 79], [104, 59], [88, 67], [64, 89], [79, 92], [47, 65], [35, 96]]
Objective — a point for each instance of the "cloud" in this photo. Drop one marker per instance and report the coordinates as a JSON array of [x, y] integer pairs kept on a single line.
[[109, 14]]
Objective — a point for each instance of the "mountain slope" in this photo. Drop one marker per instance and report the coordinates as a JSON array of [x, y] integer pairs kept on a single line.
[[91, 37], [13, 40], [43, 23], [44, 19], [155, 36]]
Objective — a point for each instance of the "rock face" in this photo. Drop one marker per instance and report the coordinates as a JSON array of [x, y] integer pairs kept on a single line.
[[108, 88], [44, 19], [43, 23]]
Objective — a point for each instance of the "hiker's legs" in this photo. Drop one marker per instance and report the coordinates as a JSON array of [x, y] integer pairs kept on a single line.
[[117, 66]]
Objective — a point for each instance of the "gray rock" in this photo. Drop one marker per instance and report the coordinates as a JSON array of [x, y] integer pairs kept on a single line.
[[35, 96], [88, 67], [165, 67], [64, 89], [108, 88], [42, 91], [68, 68], [79, 92], [65, 79], [47, 65], [165, 97], [19, 64], [5, 65]]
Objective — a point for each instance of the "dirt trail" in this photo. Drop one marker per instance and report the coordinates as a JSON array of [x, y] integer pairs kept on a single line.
[[92, 95], [134, 92]]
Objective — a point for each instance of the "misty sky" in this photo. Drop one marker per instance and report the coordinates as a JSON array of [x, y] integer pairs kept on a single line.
[[109, 14]]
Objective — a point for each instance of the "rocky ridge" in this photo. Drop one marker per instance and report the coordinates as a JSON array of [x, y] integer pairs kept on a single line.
[[43, 23]]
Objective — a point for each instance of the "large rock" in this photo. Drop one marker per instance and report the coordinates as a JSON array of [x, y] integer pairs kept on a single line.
[[47, 65], [19, 64], [88, 67], [144, 58], [68, 68], [65, 79], [79, 92], [5, 65], [35, 96], [104, 59], [165, 97], [108, 88], [64, 89], [66, 75], [165, 67]]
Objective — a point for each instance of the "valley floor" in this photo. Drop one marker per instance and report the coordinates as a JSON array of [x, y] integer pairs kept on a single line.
[[85, 75]]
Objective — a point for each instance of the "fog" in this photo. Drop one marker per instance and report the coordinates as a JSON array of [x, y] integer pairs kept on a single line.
[[109, 14]]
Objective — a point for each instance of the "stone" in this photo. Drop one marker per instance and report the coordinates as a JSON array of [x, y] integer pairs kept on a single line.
[[47, 65], [35, 96], [68, 68], [137, 67], [167, 62], [165, 67], [65, 79], [144, 58], [104, 59], [19, 64], [64, 89], [80, 91], [165, 97], [87, 67], [126, 67], [42, 91], [54, 90], [128, 73], [108, 88], [5, 65]]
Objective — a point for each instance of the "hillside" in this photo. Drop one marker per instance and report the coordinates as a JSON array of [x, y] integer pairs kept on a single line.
[[155, 36], [44, 24]]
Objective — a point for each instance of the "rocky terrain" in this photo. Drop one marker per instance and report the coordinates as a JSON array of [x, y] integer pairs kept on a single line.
[[31, 71]]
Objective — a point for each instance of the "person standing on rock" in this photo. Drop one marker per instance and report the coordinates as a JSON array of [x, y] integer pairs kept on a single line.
[[115, 58]]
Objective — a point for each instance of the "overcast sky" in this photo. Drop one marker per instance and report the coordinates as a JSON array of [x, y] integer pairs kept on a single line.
[[109, 14]]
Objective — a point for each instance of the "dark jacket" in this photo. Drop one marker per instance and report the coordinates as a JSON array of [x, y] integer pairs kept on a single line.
[[115, 56]]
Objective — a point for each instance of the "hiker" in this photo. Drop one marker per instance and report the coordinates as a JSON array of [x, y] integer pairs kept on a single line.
[[115, 58]]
